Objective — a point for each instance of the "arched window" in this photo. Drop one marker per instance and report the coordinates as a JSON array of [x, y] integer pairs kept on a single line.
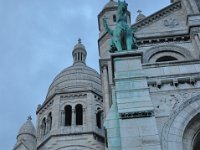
[[49, 121], [68, 115], [166, 53], [79, 114], [166, 58], [98, 119], [43, 127], [114, 18]]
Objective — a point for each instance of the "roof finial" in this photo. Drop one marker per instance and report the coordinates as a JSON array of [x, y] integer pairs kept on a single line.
[[79, 40], [29, 118], [139, 11]]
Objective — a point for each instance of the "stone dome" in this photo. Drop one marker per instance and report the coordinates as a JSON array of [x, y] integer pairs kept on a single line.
[[111, 4], [140, 16], [27, 128], [78, 77]]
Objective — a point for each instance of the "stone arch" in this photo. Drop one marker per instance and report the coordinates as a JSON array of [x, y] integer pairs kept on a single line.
[[174, 129], [191, 136], [75, 147], [177, 52]]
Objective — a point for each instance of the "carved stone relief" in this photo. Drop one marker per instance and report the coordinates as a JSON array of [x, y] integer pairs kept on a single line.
[[167, 103], [171, 22]]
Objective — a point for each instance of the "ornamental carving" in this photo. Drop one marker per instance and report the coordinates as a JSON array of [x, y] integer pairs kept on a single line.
[[141, 114], [171, 22], [169, 103]]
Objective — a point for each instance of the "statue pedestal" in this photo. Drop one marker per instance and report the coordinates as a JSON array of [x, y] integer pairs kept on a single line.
[[132, 108]]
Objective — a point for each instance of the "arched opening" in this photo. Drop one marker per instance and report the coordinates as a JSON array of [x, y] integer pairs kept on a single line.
[[166, 58], [49, 121], [191, 136], [68, 115], [98, 119], [79, 114], [114, 18], [43, 127], [196, 143]]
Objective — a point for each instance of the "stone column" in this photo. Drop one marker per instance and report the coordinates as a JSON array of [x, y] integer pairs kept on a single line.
[[73, 117], [84, 116], [106, 90], [62, 121], [47, 126]]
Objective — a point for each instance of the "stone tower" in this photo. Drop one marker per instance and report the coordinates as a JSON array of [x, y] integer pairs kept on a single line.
[[151, 95], [26, 138], [71, 116]]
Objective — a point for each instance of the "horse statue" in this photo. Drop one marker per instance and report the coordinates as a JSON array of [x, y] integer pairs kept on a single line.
[[123, 37]]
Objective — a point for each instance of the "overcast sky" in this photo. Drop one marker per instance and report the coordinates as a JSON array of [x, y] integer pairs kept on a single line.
[[36, 41]]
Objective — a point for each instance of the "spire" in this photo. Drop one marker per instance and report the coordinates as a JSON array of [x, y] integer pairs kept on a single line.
[[79, 53]]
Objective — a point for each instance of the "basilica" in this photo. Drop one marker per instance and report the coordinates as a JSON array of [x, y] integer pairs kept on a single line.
[[146, 97]]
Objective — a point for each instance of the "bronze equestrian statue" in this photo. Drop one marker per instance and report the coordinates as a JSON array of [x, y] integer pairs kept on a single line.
[[123, 37]]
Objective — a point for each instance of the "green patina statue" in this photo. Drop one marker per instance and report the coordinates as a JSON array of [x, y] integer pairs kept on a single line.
[[123, 37]]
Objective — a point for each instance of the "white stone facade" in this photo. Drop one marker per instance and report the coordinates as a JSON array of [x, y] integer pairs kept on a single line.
[[154, 91]]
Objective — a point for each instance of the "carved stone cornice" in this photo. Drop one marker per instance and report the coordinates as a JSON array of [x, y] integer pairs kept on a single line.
[[163, 39], [73, 95], [139, 114], [42, 108]]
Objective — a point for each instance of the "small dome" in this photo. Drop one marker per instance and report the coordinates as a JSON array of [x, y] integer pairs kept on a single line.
[[140, 16], [27, 128], [111, 4], [79, 53], [79, 45], [78, 77]]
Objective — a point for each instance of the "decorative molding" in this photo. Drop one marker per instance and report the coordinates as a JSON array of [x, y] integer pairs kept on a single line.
[[139, 114], [42, 109], [159, 83], [73, 95], [163, 39]]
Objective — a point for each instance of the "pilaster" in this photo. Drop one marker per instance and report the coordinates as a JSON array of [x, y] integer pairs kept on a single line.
[[105, 89], [132, 108]]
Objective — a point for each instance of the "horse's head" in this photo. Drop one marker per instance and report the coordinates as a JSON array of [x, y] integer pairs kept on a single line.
[[122, 7]]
